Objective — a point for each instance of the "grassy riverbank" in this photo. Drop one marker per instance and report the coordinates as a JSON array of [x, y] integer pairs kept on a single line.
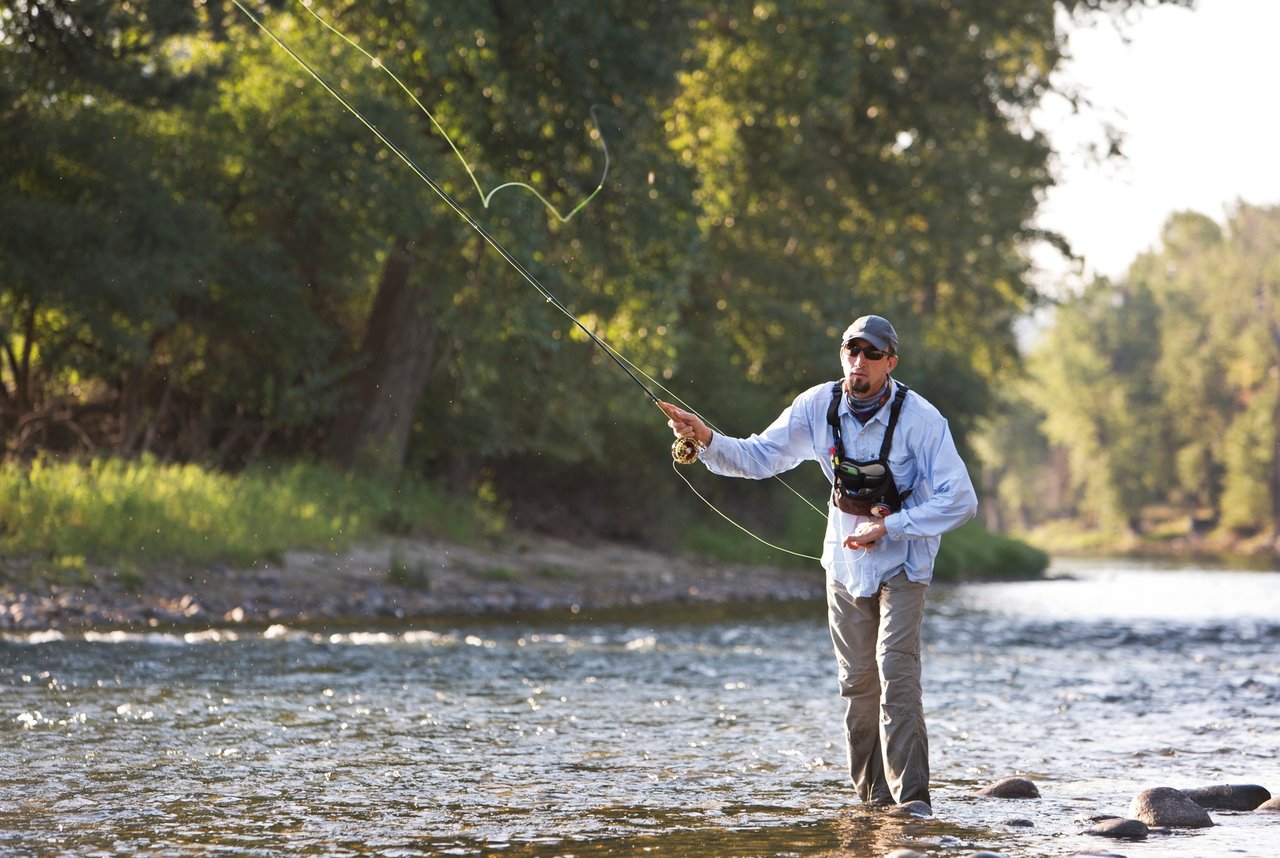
[[141, 513], [135, 515]]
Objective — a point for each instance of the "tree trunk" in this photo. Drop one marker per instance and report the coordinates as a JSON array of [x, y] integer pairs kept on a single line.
[[132, 402], [372, 430], [990, 508]]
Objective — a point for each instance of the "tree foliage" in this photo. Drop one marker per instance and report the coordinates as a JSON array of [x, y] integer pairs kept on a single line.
[[204, 256], [1163, 388]]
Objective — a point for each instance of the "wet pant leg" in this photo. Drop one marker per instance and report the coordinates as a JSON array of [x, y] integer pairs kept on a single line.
[[877, 647]]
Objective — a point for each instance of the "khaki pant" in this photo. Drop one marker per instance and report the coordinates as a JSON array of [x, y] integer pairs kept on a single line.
[[877, 644]]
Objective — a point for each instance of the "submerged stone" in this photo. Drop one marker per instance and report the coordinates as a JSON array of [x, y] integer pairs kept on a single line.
[[1095, 818], [1010, 788], [1229, 796], [917, 809], [1121, 829], [1169, 807]]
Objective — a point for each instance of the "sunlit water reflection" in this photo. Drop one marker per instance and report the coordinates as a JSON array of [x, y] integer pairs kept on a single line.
[[662, 732]]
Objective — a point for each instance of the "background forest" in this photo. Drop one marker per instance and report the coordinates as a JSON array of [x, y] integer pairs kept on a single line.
[[205, 261]]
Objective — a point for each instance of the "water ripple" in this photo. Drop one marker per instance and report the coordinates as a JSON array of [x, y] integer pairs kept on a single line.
[[699, 738]]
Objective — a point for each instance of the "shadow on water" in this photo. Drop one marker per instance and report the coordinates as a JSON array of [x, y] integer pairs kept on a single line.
[[855, 832]]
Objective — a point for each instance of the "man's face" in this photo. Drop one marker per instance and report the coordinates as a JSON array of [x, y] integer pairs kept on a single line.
[[863, 375]]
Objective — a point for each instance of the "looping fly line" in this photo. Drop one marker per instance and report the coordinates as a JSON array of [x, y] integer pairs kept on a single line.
[[633, 371], [484, 197]]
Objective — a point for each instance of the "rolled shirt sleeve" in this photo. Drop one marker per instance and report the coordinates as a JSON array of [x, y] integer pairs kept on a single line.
[[786, 442], [947, 499]]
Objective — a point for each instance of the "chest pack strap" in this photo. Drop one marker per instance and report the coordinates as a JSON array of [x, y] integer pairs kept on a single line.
[[875, 500], [833, 418]]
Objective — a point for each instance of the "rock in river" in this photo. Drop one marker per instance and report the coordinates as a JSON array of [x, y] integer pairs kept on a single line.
[[1122, 829], [913, 809], [1229, 796], [1169, 807], [1010, 788]]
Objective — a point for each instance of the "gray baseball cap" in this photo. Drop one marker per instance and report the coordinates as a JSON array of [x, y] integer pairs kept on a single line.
[[875, 330]]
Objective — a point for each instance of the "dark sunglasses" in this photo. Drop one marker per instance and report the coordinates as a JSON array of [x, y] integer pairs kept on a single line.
[[866, 351]]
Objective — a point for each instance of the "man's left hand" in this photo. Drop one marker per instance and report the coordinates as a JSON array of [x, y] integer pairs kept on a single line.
[[865, 535]]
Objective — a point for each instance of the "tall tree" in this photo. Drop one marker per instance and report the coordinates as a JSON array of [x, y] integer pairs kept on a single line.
[[1197, 404], [1250, 324], [1092, 374], [259, 273], [516, 95], [1162, 387], [95, 240]]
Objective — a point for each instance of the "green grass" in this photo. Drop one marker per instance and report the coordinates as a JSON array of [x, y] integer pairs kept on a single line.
[[801, 533], [728, 544], [145, 512], [1077, 537], [970, 551], [137, 514], [557, 573]]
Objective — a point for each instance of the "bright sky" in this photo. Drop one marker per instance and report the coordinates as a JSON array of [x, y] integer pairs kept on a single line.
[[1195, 92]]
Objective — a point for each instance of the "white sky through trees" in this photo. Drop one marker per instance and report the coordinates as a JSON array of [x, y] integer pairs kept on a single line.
[[1194, 93]]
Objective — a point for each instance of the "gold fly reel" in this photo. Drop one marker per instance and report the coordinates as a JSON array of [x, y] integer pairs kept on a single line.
[[685, 450]]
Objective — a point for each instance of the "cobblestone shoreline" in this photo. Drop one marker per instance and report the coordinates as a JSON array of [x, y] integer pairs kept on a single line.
[[394, 580]]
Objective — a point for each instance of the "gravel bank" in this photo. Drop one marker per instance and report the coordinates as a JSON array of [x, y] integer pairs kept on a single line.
[[394, 580]]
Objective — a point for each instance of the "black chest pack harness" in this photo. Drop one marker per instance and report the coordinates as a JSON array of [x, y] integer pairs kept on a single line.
[[865, 488]]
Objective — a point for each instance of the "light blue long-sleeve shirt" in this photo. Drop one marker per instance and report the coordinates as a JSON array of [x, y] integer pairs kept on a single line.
[[923, 458]]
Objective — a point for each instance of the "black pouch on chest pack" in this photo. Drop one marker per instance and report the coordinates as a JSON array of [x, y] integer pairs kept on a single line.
[[865, 488]]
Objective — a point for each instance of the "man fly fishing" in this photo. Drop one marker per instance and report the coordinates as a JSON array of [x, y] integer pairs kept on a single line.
[[898, 484]]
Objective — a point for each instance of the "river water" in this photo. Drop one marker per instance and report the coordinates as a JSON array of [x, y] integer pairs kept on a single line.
[[708, 732]]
